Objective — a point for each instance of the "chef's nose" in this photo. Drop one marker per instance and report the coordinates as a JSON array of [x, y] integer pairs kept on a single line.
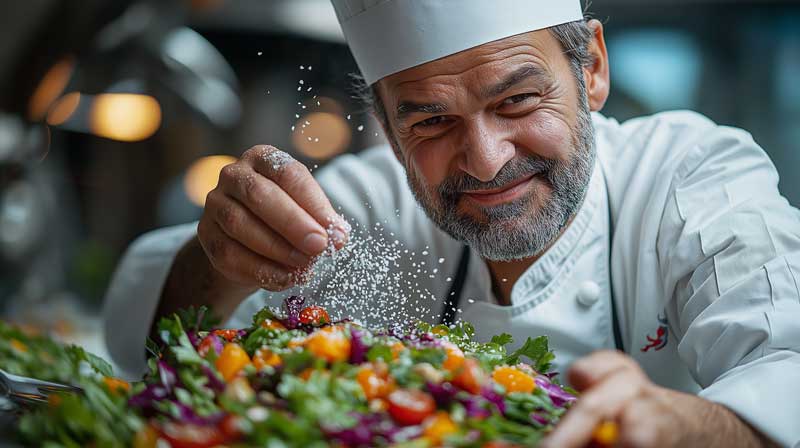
[[486, 150]]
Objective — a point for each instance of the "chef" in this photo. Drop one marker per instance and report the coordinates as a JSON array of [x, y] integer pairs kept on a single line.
[[657, 254]]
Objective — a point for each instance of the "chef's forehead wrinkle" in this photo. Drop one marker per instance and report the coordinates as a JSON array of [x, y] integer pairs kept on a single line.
[[406, 108], [524, 73]]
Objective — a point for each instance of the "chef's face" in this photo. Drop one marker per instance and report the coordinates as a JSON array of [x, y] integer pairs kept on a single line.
[[497, 141]]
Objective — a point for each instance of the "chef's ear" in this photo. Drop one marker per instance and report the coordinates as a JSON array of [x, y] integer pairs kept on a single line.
[[596, 73]]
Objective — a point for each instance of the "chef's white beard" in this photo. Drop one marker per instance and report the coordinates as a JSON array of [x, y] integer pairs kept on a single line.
[[516, 230]]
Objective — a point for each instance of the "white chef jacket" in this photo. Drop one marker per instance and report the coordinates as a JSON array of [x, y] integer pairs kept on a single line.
[[683, 230]]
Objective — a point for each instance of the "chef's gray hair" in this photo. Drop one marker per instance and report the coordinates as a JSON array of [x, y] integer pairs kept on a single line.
[[574, 38]]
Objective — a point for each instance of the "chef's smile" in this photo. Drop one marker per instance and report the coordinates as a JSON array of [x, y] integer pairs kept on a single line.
[[501, 195]]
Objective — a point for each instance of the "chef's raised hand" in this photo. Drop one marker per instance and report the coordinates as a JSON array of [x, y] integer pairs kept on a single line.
[[615, 389], [266, 220]]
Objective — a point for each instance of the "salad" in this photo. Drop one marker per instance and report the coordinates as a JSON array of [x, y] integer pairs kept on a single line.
[[296, 379]]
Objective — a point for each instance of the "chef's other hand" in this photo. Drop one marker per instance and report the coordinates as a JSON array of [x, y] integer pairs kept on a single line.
[[266, 220], [615, 389]]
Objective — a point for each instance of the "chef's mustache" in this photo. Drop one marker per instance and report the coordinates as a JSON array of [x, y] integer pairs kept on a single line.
[[516, 168]]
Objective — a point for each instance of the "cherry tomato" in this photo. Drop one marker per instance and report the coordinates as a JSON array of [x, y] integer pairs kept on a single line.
[[314, 315], [231, 427], [228, 335], [410, 407], [470, 376], [210, 342], [232, 359], [186, 435]]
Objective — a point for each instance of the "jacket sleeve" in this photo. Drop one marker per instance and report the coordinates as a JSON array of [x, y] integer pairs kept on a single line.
[[729, 251], [134, 292]]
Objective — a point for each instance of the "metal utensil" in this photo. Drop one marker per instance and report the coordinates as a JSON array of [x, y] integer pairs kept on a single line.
[[24, 390]]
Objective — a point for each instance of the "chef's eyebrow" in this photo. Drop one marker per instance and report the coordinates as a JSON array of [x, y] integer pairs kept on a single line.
[[406, 108], [523, 73]]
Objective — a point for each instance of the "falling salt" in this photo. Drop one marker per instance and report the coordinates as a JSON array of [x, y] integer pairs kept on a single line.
[[301, 67], [260, 53], [360, 127], [348, 116], [301, 82], [441, 260], [366, 282]]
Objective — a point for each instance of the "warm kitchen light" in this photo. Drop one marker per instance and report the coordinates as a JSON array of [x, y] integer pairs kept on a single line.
[[50, 87], [321, 135], [63, 109], [202, 177], [124, 116]]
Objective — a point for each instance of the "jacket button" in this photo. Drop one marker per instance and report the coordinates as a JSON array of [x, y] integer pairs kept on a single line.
[[588, 293]]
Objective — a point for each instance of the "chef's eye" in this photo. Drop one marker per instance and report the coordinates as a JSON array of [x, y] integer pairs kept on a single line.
[[517, 98], [518, 103], [432, 121]]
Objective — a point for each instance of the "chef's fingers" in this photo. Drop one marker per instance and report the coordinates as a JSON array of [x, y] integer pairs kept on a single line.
[[240, 264], [296, 180], [243, 226], [640, 427], [589, 370], [274, 207], [605, 401]]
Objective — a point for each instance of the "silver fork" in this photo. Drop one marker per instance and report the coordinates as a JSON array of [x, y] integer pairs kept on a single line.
[[24, 390]]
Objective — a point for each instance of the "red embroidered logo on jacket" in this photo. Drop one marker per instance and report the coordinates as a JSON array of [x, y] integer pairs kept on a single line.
[[662, 335]]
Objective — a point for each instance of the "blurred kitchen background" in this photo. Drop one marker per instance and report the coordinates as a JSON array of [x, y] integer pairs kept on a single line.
[[116, 116]]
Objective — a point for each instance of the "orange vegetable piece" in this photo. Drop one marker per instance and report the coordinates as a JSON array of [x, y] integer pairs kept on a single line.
[[271, 324], [455, 357], [437, 427], [397, 348], [116, 384], [19, 346], [232, 360], [331, 346], [439, 331], [146, 437], [306, 373], [265, 357], [374, 384], [296, 342], [606, 434], [470, 376], [513, 379]]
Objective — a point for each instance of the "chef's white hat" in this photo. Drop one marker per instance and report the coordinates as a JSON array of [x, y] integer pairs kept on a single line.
[[389, 36]]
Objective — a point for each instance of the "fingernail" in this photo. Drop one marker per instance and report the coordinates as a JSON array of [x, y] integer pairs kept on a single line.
[[298, 258], [314, 243], [339, 237]]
